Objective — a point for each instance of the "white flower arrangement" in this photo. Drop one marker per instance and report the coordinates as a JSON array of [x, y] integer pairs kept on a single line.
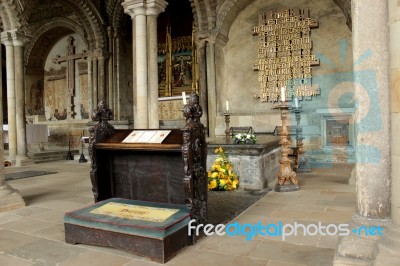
[[244, 138]]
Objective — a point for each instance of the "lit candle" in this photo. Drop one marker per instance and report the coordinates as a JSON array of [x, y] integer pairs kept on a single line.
[[283, 94], [227, 106], [296, 102], [184, 97]]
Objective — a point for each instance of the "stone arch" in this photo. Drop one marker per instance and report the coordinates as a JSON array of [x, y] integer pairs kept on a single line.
[[211, 14], [36, 54], [92, 21], [9, 15], [345, 6], [229, 10], [199, 10], [44, 39], [87, 14], [117, 14], [227, 13]]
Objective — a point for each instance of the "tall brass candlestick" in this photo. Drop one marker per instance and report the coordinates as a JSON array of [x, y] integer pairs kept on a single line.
[[286, 177], [301, 164], [227, 121], [299, 138]]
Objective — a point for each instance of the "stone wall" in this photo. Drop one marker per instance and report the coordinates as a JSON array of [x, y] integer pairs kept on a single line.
[[236, 79]]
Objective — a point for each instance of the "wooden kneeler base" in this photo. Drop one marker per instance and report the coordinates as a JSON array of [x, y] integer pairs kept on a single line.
[[155, 249], [159, 241]]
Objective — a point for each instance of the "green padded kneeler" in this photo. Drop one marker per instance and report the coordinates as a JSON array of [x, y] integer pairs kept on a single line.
[[151, 229]]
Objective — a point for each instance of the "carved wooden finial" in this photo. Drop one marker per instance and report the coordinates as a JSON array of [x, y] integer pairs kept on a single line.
[[193, 111], [103, 113]]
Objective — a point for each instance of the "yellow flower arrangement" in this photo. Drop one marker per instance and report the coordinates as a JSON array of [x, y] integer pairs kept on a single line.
[[221, 175]]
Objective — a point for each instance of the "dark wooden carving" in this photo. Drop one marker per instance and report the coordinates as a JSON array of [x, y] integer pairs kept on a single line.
[[155, 249], [194, 153], [172, 172], [98, 133]]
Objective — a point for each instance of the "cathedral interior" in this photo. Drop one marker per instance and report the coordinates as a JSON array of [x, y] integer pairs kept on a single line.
[[332, 64]]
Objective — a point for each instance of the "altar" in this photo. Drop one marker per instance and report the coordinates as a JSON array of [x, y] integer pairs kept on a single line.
[[256, 164]]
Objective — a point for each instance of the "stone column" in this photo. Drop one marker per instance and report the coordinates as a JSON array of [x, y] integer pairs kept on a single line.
[[90, 86], [9, 198], [111, 69], [141, 69], [134, 80], [394, 20], [101, 75], [391, 237], [201, 51], [137, 10], [95, 82], [154, 7], [373, 176], [116, 50], [372, 127], [12, 127], [211, 89], [20, 101]]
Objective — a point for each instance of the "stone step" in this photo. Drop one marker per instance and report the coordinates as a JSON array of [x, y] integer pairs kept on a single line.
[[50, 156]]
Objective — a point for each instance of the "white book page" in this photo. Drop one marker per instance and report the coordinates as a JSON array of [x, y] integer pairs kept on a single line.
[[133, 136], [159, 136], [146, 136]]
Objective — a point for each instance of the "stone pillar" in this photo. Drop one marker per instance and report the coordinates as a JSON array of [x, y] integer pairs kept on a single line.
[[394, 20], [101, 75], [211, 89], [116, 57], [391, 237], [138, 9], [95, 82], [90, 86], [201, 50], [134, 80], [141, 69], [111, 70], [20, 102], [9, 198], [154, 8], [373, 177], [372, 128], [12, 127]]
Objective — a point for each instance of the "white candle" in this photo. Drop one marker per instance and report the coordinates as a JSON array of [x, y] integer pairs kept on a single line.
[[296, 102], [227, 106], [184, 97], [283, 94]]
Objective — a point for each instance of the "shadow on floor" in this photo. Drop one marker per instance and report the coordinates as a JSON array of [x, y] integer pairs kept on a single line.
[[223, 206]]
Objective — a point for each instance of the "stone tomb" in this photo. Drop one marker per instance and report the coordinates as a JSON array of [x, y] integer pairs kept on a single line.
[[256, 164]]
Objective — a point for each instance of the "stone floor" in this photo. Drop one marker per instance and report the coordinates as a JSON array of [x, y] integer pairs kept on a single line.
[[34, 235]]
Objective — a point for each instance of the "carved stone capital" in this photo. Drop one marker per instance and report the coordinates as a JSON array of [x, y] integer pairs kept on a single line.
[[144, 7], [6, 38], [155, 7], [100, 54], [134, 7], [19, 39]]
